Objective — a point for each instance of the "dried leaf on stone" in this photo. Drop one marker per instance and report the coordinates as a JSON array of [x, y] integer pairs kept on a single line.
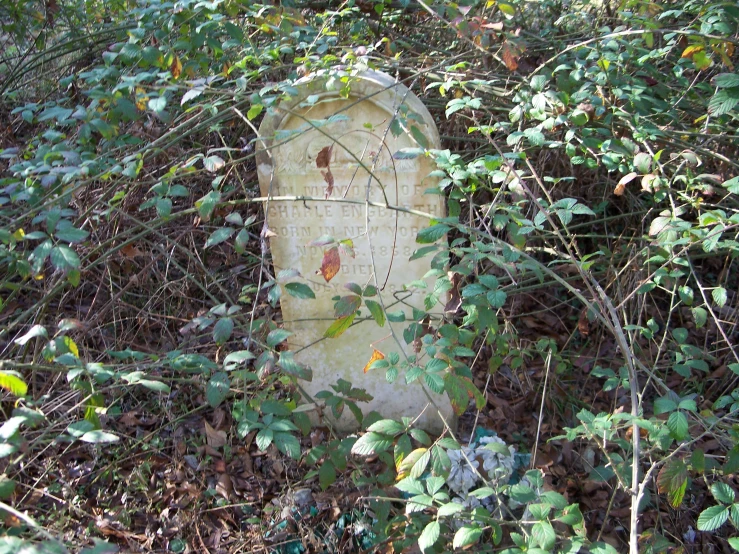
[[331, 263], [323, 160], [329, 178], [376, 355]]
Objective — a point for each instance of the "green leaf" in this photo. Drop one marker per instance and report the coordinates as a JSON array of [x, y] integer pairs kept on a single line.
[[387, 427], [543, 533], [217, 389], [288, 444], [712, 518], [338, 327], [376, 311], [326, 474], [432, 234], [466, 535], [222, 330], [235, 358], [276, 336], [371, 443], [69, 233], [64, 258], [13, 383], [734, 543], [497, 298], [449, 509], [723, 493], [726, 80], [219, 235], [7, 487], [677, 423], [672, 480], [300, 290], [410, 485], [429, 536], [158, 104], [419, 137], [719, 296], [98, 437]]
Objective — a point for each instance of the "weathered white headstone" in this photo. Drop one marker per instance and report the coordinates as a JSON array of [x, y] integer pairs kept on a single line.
[[342, 151]]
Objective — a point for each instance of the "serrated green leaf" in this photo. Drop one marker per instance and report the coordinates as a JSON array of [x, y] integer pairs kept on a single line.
[[429, 536], [712, 518], [219, 235], [300, 290], [387, 426], [276, 336], [217, 389], [69, 233], [720, 296], [213, 163], [449, 509], [723, 493], [419, 137], [13, 383], [326, 474], [677, 423], [432, 234], [338, 327], [376, 311], [543, 533], [371, 443], [64, 258], [466, 535], [222, 330], [288, 444]]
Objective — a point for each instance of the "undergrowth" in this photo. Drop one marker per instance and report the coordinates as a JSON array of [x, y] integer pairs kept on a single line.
[[587, 268]]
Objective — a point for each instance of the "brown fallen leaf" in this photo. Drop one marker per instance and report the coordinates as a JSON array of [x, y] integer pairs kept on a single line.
[[329, 178], [331, 263], [215, 439], [376, 355]]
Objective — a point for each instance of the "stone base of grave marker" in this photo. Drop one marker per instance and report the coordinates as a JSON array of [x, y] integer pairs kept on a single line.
[[341, 153]]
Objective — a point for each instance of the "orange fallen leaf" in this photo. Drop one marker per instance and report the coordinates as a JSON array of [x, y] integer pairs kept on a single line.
[[376, 355], [331, 263]]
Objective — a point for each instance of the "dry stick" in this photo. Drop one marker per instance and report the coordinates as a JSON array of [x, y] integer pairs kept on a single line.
[[548, 364]]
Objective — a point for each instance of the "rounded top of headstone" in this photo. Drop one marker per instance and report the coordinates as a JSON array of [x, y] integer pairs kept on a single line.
[[374, 86]]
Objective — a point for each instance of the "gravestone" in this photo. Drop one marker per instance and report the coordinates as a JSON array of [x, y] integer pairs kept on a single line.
[[349, 154]]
